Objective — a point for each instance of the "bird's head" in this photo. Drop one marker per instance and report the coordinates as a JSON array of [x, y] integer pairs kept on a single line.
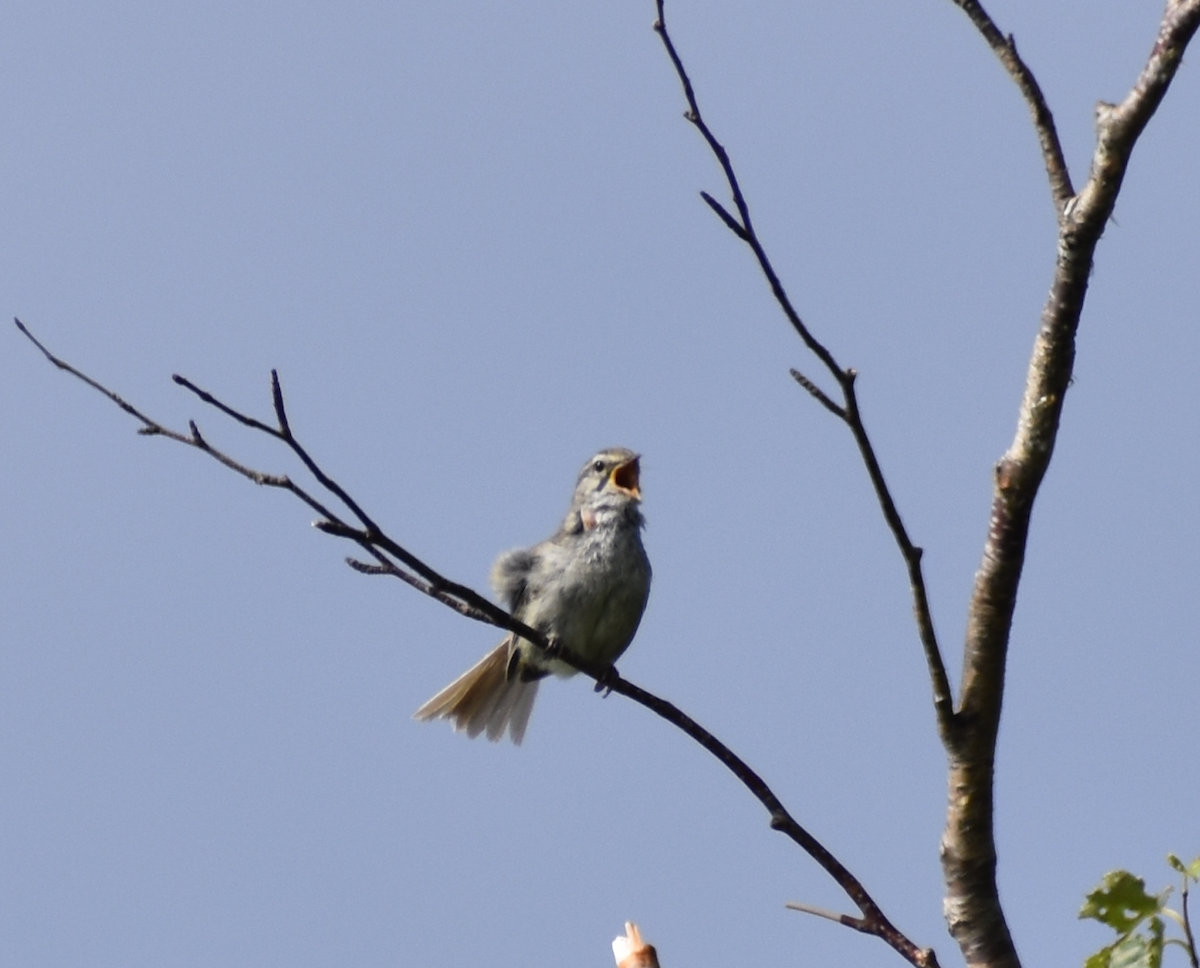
[[609, 482]]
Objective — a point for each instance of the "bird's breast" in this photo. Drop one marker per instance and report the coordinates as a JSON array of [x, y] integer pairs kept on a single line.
[[590, 591]]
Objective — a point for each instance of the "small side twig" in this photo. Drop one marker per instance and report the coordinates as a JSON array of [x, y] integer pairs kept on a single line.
[[844, 919], [818, 394], [731, 223]]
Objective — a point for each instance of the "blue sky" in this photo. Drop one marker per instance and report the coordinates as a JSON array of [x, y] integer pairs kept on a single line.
[[469, 237]]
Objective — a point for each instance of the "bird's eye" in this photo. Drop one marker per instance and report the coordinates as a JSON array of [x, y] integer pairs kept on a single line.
[[598, 467]]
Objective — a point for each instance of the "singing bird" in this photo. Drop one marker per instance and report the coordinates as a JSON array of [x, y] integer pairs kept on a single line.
[[585, 587]]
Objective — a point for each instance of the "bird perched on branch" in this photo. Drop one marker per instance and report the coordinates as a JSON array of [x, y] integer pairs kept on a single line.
[[585, 588]]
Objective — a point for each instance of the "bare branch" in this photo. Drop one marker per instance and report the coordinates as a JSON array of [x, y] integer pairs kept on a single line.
[[731, 223], [818, 393], [743, 229], [282, 432], [1187, 926], [148, 425], [973, 908], [858, 924], [1005, 49], [244, 419], [843, 919], [942, 699], [873, 921], [849, 412], [471, 604]]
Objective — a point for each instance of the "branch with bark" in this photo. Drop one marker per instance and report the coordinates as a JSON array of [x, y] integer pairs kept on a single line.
[[967, 725], [389, 557], [968, 729]]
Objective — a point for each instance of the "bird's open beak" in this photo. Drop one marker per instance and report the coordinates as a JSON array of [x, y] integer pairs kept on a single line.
[[625, 478]]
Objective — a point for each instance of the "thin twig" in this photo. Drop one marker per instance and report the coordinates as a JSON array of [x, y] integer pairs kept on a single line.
[[818, 394], [731, 223], [820, 912], [1005, 49], [281, 432], [873, 921], [849, 413], [147, 423], [471, 604], [743, 228], [943, 699], [1193, 956]]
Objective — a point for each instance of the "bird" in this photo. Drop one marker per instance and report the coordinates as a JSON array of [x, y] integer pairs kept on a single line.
[[585, 588]]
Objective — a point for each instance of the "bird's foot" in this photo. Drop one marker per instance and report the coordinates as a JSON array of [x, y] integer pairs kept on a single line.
[[607, 680], [554, 647]]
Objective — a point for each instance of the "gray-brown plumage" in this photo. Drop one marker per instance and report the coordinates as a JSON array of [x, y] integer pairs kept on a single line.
[[585, 587]]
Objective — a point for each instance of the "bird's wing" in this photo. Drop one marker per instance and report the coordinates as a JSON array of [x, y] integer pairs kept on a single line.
[[510, 576]]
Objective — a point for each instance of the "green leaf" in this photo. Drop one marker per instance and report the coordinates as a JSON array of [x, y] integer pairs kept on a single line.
[[1131, 953], [1156, 939], [1122, 903], [1135, 951], [1190, 871]]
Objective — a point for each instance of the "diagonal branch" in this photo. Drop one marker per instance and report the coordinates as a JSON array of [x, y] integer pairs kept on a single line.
[[848, 412], [387, 553], [1005, 49], [743, 226]]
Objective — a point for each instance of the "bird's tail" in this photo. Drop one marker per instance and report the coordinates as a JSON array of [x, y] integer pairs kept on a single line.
[[484, 698]]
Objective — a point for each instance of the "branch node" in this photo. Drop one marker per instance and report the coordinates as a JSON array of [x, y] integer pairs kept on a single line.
[[731, 223]]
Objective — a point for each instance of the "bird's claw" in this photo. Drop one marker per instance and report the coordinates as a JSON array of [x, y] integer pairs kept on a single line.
[[607, 680]]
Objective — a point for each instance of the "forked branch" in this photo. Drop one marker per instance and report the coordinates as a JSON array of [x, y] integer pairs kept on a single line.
[[973, 907], [391, 558], [968, 733]]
